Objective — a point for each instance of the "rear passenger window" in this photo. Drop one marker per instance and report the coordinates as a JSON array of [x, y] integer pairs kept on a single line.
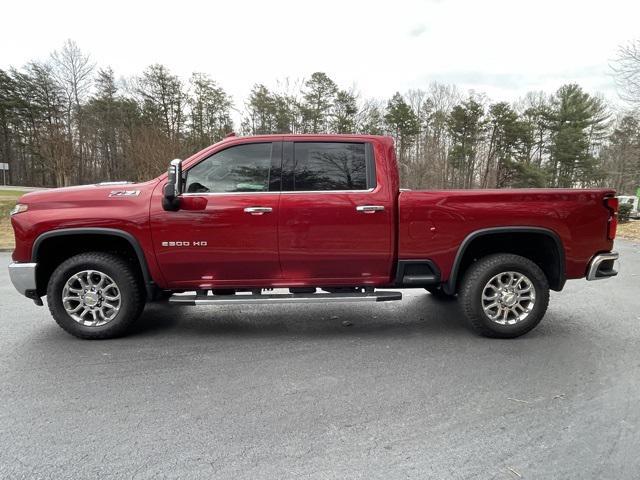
[[329, 166]]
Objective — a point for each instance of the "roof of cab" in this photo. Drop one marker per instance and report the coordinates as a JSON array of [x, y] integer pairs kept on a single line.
[[326, 136]]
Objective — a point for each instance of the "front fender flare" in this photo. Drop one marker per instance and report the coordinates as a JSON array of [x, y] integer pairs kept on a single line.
[[144, 268]]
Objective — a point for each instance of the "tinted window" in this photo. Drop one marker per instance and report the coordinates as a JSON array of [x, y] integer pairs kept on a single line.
[[244, 168], [329, 166]]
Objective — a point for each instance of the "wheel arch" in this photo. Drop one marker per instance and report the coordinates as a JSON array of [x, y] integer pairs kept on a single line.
[[104, 234], [553, 267]]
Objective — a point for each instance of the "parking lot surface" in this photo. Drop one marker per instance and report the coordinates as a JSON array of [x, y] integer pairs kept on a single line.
[[371, 391]]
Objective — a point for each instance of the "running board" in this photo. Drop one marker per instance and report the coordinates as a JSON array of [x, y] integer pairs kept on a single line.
[[241, 299]]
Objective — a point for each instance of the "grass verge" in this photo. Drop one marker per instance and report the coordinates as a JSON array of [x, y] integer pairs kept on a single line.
[[630, 230], [7, 201]]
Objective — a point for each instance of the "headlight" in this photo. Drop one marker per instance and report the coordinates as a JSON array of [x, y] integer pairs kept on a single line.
[[19, 208]]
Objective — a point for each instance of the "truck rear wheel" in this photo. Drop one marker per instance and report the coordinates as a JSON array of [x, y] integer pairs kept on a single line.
[[95, 295], [504, 295]]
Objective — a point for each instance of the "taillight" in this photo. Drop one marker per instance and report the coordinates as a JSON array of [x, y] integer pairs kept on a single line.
[[612, 205]]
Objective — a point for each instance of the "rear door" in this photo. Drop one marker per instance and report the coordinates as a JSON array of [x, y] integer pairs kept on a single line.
[[335, 222]]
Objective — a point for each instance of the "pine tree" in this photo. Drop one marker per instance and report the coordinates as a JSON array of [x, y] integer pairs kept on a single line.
[[163, 101], [466, 126], [403, 123], [210, 118], [344, 113], [578, 122], [318, 99], [261, 111], [510, 141]]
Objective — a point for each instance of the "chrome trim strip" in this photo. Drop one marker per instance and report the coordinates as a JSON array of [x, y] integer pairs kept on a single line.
[[594, 266], [23, 276], [188, 194], [368, 190], [211, 194]]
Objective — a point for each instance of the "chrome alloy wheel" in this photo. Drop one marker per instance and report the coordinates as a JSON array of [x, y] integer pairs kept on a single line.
[[91, 298], [508, 298]]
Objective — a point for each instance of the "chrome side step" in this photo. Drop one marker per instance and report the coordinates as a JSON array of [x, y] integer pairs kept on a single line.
[[244, 299]]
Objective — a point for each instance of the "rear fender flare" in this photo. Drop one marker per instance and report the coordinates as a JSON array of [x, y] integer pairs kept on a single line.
[[450, 285]]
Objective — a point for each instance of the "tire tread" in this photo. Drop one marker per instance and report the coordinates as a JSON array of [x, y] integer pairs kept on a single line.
[[474, 276], [131, 283]]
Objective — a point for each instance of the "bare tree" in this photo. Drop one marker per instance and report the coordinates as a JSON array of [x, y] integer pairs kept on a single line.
[[73, 71], [627, 71]]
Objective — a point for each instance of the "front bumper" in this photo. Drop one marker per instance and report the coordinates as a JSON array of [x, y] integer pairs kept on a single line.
[[602, 266], [23, 277]]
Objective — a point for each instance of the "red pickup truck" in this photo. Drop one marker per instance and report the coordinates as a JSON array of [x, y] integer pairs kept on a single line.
[[320, 215]]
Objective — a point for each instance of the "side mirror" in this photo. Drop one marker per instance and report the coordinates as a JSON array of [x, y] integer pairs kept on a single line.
[[173, 187]]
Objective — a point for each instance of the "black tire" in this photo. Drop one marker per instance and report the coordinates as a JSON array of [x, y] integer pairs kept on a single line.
[[439, 294], [132, 296], [473, 285]]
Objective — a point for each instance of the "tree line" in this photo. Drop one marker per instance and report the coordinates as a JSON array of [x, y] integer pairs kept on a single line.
[[65, 121]]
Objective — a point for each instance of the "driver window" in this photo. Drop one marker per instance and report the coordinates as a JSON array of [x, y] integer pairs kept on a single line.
[[243, 168]]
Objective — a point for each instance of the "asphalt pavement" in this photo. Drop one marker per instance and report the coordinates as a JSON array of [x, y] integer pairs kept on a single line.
[[370, 391]]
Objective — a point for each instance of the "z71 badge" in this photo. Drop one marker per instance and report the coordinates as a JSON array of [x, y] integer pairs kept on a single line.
[[124, 193], [185, 244]]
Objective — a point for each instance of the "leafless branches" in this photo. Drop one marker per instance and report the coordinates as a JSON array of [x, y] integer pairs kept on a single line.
[[627, 72]]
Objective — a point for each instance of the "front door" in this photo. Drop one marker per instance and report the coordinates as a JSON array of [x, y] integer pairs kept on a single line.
[[335, 218], [225, 233]]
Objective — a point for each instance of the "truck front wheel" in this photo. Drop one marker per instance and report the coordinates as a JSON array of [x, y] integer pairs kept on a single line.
[[504, 295], [95, 295]]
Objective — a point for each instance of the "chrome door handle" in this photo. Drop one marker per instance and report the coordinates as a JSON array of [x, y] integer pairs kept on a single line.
[[369, 208], [258, 210]]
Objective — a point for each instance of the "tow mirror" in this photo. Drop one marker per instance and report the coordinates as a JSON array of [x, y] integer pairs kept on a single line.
[[173, 187]]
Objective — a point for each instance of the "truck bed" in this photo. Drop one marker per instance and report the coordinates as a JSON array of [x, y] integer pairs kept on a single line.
[[438, 221]]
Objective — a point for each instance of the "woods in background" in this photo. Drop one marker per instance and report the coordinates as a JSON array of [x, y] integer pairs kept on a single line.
[[66, 122]]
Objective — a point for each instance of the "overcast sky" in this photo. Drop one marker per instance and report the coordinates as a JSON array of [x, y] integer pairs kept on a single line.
[[501, 48]]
